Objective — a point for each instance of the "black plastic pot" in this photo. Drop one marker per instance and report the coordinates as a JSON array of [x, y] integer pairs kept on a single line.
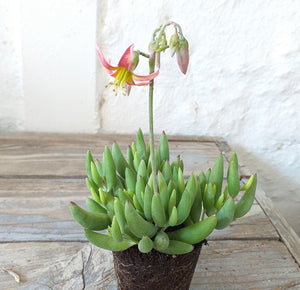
[[155, 270]]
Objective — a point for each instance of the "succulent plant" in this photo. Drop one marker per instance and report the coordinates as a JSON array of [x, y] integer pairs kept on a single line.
[[180, 214], [144, 199]]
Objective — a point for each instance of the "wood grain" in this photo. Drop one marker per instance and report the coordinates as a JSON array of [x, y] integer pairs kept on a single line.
[[42, 219], [38, 210], [246, 265], [53, 155], [56, 266], [284, 230], [222, 265], [43, 188], [41, 173]]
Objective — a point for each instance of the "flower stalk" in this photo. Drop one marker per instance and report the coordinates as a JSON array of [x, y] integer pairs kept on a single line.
[[125, 77], [151, 130]]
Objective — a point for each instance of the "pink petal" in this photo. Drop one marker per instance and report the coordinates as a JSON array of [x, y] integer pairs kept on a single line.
[[108, 67], [145, 78], [143, 83], [183, 56], [183, 62], [132, 83], [126, 58]]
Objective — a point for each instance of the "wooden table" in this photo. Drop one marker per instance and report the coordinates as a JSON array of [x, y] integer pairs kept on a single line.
[[41, 173]]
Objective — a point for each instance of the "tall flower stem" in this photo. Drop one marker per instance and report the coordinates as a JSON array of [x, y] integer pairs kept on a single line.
[[151, 131]]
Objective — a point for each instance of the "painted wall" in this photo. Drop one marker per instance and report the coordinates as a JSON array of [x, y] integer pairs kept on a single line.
[[49, 70], [11, 83], [243, 82]]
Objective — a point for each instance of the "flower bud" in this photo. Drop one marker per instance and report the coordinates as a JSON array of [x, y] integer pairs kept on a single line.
[[174, 41], [182, 54], [134, 61], [163, 41]]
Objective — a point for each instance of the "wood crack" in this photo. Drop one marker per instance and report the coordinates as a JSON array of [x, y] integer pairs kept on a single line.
[[83, 269]]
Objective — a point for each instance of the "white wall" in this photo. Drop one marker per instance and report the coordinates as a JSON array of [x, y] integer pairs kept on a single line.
[[243, 82], [11, 86], [53, 85]]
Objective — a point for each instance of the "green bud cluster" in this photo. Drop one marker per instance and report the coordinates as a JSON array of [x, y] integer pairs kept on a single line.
[[180, 214], [177, 45]]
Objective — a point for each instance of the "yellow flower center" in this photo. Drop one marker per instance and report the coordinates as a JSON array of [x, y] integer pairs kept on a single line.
[[122, 76]]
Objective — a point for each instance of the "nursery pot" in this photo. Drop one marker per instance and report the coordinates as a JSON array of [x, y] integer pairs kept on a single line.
[[155, 270]]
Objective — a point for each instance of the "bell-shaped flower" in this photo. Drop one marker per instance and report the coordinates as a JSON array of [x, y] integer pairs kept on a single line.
[[182, 54], [123, 73]]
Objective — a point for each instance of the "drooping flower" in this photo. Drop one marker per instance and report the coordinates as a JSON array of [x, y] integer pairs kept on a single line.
[[182, 54], [123, 73]]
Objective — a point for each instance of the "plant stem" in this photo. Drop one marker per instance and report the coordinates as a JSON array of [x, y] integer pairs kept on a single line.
[[151, 131], [143, 54]]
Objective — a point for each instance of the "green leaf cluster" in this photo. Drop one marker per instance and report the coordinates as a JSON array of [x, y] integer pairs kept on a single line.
[[184, 211]]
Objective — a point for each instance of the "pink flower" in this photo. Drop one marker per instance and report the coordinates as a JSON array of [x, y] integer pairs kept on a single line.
[[123, 73]]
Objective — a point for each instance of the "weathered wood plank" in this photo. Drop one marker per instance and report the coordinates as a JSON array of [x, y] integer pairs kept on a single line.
[[285, 231], [43, 188], [246, 265], [222, 265], [80, 137], [56, 266], [37, 210], [49, 219], [254, 225], [54, 155]]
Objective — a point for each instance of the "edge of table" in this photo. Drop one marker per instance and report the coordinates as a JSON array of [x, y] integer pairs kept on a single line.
[[284, 230]]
